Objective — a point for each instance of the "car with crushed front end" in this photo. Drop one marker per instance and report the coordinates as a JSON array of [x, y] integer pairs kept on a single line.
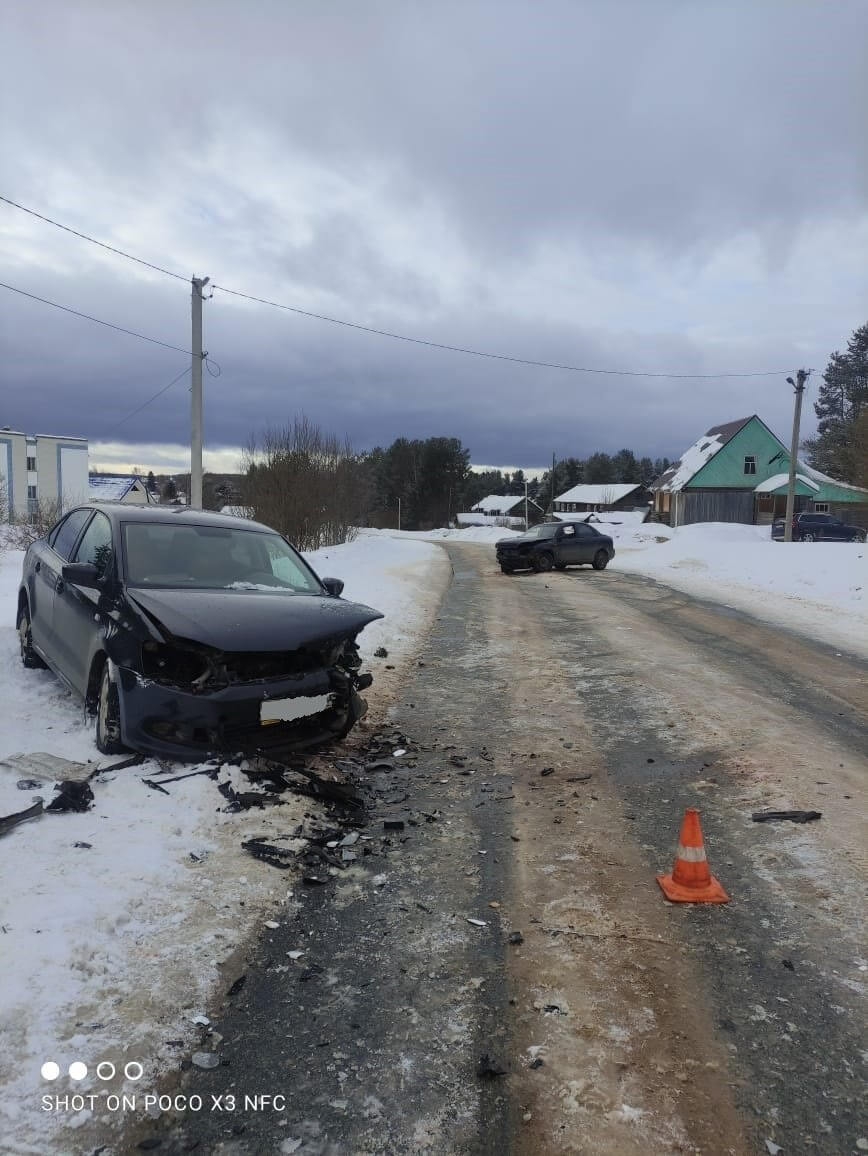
[[188, 632], [555, 545]]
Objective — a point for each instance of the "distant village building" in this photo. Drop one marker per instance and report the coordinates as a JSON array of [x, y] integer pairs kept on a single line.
[[738, 472], [40, 471], [129, 488], [501, 510], [593, 498]]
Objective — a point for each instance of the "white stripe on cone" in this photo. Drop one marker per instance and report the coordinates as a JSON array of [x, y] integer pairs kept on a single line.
[[690, 854]]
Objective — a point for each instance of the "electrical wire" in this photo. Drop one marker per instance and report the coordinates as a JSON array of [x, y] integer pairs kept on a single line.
[[96, 320], [493, 356], [93, 240], [383, 332], [144, 405]]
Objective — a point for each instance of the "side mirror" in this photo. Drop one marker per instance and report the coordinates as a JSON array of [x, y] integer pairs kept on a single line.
[[81, 574], [334, 586]]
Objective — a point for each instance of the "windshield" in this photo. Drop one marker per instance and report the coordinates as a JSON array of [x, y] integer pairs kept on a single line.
[[213, 558]]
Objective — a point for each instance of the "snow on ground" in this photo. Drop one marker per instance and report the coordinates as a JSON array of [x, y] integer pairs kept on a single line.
[[111, 947], [818, 589], [465, 534]]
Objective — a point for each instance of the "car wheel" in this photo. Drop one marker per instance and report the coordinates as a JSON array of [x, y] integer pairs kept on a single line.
[[857, 538], [601, 560], [809, 538], [108, 715], [560, 565], [25, 640], [543, 562]]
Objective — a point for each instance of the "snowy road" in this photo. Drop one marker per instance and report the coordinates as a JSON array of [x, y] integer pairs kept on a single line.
[[563, 723]]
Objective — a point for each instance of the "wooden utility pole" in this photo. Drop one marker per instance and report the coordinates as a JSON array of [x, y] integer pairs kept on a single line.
[[799, 387], [195, 496]]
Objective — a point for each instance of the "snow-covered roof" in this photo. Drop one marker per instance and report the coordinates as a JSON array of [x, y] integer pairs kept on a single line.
[[701, 452], [598, 495], [825, 480], [112, 487], [774, 483], [497, 504]]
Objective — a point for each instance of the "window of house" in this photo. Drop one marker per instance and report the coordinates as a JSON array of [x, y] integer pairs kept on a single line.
[[31, 491], [750, 465], [31, 464], [821, 507]]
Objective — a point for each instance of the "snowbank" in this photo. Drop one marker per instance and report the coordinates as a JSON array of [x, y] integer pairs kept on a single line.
[[119, 925], [464, 534], [816, 588]]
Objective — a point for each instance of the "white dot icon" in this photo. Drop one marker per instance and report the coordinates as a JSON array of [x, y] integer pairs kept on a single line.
[[77, 1070], [105, 1070], [133, 1070], [50, 1070]]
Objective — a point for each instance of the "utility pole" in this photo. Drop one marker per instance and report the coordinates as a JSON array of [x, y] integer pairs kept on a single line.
[[195, 495], [553, 484], [526, 522], [799, 387]]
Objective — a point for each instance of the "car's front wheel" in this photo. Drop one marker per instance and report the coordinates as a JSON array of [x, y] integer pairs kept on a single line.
[[25, 641], [543, 562], [601, 560], [108, 715], [809, 537]]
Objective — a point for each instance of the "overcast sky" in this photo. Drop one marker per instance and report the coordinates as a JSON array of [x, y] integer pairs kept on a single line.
[[660, 186]]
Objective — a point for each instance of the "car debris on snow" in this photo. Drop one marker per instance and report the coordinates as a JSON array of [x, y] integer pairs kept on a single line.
[[488, 1068], [477, 922], [7, 822], [205, 1060]]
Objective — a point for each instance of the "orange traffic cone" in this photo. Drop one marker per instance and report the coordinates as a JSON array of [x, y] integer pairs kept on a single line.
[[691, 881]]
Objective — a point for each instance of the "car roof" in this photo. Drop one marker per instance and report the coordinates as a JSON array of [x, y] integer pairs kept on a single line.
[[119, 512]]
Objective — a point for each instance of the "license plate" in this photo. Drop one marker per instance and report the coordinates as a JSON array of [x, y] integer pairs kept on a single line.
[[273, 710]]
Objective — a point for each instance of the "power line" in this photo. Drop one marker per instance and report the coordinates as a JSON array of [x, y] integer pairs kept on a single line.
[[494, 356], [96, 320], [93, 240], [159, 393], [385, 332]]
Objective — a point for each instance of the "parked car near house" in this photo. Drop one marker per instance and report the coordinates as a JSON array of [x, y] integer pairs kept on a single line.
[[808, 527], [555, 545], [188, 632]]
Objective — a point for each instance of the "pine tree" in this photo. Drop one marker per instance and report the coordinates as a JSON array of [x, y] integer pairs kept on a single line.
[[840, 405]]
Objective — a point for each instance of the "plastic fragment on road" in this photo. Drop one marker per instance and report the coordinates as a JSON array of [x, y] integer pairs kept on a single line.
[[205, 1059], [477, 922], [772, 1148], [786, 816], [690, 880]]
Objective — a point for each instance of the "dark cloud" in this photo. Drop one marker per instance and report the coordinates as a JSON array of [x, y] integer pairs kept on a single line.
[[637, 185]]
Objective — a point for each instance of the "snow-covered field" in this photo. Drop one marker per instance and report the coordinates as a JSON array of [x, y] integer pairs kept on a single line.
[[818, 589], [118, 925]]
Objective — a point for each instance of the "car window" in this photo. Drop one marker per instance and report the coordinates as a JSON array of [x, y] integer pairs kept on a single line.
[[209, 557], [95, 546], [569, 531], [68, 532]]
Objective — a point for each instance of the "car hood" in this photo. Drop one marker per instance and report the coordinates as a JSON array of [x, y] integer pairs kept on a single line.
[[243, 620], [516, 540]]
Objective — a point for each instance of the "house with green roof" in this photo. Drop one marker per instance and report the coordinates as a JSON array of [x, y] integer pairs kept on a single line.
[[738, 472]]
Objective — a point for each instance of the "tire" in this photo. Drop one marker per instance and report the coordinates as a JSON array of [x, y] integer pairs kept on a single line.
[[543, 562], [29, 657], [857, 538], [560, 565], [601, 560], [809, 537], [108, 715]]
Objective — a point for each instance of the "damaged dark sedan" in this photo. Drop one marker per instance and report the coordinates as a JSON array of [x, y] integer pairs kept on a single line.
[[188, 632]]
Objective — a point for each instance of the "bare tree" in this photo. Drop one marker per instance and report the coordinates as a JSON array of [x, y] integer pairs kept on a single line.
[[305, 483], [36, 524]]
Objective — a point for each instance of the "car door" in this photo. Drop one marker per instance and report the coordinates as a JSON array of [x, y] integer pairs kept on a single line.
[[587, 542], [59, 545], [76, 608], [568, 545]]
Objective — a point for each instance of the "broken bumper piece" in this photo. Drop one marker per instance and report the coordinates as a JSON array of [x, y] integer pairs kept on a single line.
[[281, 715]]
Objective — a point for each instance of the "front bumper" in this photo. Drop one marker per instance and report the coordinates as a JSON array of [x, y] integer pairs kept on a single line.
[[173, 723]]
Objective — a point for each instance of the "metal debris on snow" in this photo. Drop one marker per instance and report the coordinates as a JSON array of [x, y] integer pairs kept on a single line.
[[786, 816]]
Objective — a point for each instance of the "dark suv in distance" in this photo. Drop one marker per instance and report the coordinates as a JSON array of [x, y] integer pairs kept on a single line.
[[818, 528], [555, 545]]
